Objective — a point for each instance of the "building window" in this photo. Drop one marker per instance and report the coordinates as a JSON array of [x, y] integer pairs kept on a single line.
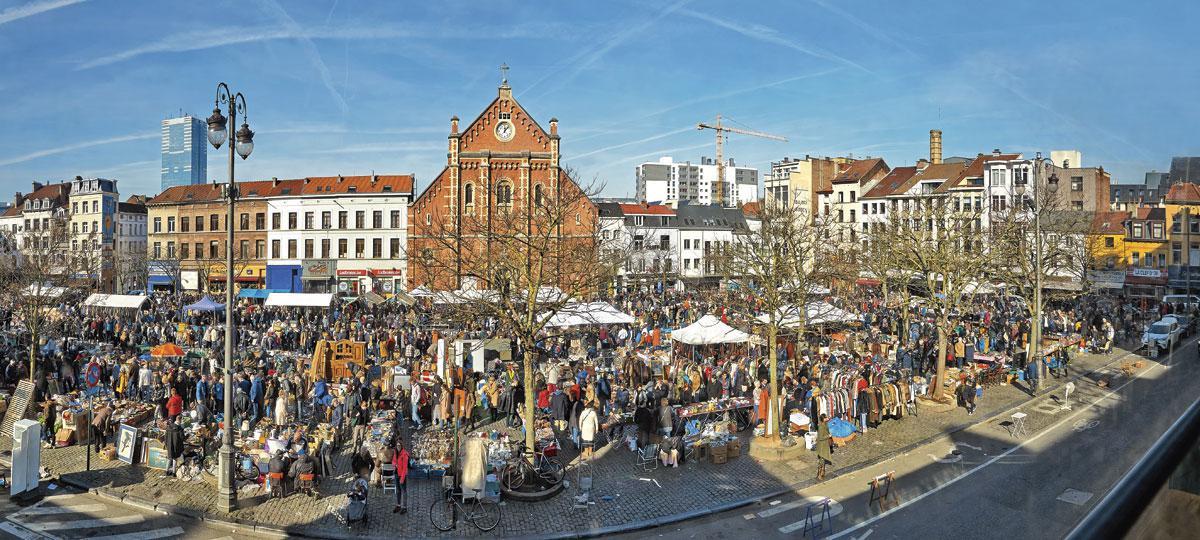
[[1156, 230], [1162, 260], [325, 220], [395, 219], [376, 248], [360, 248], [1137, 230], [260, 249], [244, 249], [377, 219], [1134, 258], [291, 221], [184, 252], [260, 221], [308, 221], [185, 224], [214, 250], [537, 195], [999, 203], [1076, 183], [468, 195], [1176, 251], [395, 248], [244, 222], [214, 222], [360, 218], [324, 248], [276, 218], [341, 252], [275, 249], [291, 248], [1109, 242], [199, 251], [157, 225], [170, 224], [342, 219], [199, 223], [504, 194], [308, 248], [157, 250]]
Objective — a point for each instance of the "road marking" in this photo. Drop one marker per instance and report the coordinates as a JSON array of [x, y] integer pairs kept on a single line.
[[781, 508], [1075, 497], [83, 523], [19, 532], [953, 459], [50, 510], [775, 502], [835, 508], [143, 535], [971, 446], [989, 462], [748, 516], [866, 534]]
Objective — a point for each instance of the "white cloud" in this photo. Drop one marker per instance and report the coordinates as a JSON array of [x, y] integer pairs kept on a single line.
[[34, 8], [76, 146]]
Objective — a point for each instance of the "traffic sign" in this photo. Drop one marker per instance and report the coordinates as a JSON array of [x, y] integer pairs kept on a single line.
[[92, 374]]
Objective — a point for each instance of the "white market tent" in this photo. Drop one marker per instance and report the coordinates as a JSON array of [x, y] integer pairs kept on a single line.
[[420, 292], [589, 313], [117, 301], [463, 296], [709, 330], [814, 313], [299, 299], [47, 291]]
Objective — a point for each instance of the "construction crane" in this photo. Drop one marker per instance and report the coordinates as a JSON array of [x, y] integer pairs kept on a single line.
[[719, 188]]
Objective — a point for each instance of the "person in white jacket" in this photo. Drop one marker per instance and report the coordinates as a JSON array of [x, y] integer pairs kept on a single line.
[[589, 424]]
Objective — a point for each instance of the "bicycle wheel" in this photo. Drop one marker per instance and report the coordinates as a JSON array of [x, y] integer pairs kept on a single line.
[[485, 515], [550, 467], [743, 419], [441, 514], [513, 476]]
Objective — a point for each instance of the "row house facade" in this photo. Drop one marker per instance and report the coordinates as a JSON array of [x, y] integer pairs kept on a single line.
[[648, 235]]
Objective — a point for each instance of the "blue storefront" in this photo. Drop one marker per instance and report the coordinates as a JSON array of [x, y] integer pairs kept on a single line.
[[284, 277]]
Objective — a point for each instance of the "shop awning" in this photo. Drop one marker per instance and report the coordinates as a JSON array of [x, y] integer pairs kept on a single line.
[[260, 294], [160, 280], [117, 301], [421, 292], [404, 298], [299, 299]]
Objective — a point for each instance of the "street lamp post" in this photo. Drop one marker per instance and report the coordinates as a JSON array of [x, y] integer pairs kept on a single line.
[[1036, 205], [244, 144]]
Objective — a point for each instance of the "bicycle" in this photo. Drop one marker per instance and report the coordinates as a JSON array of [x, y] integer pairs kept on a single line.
[[519, 467], [444, 513]]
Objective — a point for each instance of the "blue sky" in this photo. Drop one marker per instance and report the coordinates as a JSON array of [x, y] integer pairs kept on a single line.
[[350, 87]]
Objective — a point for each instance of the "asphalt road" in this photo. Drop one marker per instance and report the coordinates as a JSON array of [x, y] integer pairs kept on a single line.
[[986, 482], [67, 515]]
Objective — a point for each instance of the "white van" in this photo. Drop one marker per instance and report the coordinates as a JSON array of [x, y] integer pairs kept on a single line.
[[1182, 301]]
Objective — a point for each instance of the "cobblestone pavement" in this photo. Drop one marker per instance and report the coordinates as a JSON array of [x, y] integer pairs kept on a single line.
[[624, 494]]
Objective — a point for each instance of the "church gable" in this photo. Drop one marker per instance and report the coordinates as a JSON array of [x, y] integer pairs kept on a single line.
[[505, 126]]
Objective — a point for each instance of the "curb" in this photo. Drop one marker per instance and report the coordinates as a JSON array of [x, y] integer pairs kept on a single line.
[[253, 528]]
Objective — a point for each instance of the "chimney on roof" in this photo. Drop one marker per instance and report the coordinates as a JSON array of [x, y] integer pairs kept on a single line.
[[922, 163], [554, 127], [17, 198], [935, 146], [454, 125], [339, 178], [306, 181], [274, 181], [37, 186], [995, 152], [374, 178]]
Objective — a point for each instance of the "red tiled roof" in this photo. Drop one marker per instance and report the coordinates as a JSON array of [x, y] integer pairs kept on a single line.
[[1184, 192], [14, 210], [751, 208], [892, 182], [644, 209], [1109, 222], [52, 191], [858, 170], [320, 185], [401, 183], [1151, 214], [973, 170]]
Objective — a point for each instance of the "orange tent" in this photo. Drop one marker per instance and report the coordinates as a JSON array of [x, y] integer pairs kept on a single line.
[[166, 349]]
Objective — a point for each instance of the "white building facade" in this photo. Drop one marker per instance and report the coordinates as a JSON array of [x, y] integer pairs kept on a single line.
[[666, 181]]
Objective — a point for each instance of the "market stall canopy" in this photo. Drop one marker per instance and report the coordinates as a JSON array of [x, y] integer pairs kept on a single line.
[[403, 298], [166, 349], [120, 301], [299, 299], [372, 298], [589, 313], [709, 330], [260, 294], [981, 288], [205, 304], [814, 313], [421, 292], [463, 296], [47, 291]]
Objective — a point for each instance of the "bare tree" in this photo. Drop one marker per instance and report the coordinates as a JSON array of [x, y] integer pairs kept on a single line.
[[777, 265], [944, 245], [520, 260]]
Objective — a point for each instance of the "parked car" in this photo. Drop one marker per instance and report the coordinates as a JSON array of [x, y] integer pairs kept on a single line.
[[1164, 333], [1187, 323]]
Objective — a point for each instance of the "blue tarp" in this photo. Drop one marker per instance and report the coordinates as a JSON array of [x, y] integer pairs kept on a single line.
[[257, 293], [205, 304], [840, 428]]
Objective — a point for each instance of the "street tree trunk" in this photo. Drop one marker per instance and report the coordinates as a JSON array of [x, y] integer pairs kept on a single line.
[[527, 361], [773, 360], [941, 362]]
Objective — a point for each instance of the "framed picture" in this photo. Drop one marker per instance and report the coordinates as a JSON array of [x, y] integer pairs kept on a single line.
[[127, 443], [157, 458]]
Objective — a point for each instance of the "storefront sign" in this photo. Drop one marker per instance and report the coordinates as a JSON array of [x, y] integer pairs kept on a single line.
[[318, 268], [189, 280], [1107, 279], [1152, 273], [387, 273], [351, 273]]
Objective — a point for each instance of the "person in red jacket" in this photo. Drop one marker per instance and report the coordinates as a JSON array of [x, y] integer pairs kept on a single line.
[[400, 460], [174, 405]]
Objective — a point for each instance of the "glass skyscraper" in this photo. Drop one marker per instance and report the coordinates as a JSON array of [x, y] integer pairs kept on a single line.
[[184, 151]]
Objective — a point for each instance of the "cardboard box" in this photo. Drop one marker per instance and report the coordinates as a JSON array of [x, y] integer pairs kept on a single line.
[[718, 454], [64, 437], [734, 448]]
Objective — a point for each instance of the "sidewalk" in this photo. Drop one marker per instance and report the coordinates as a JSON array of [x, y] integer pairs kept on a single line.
[[626, 498]]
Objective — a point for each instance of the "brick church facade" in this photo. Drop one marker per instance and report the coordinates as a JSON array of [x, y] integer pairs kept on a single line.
[[499, 166]]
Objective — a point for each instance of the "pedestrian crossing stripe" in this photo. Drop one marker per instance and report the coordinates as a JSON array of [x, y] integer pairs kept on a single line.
[[143, 535], [835, 508], [94, 523], [51, 510]]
